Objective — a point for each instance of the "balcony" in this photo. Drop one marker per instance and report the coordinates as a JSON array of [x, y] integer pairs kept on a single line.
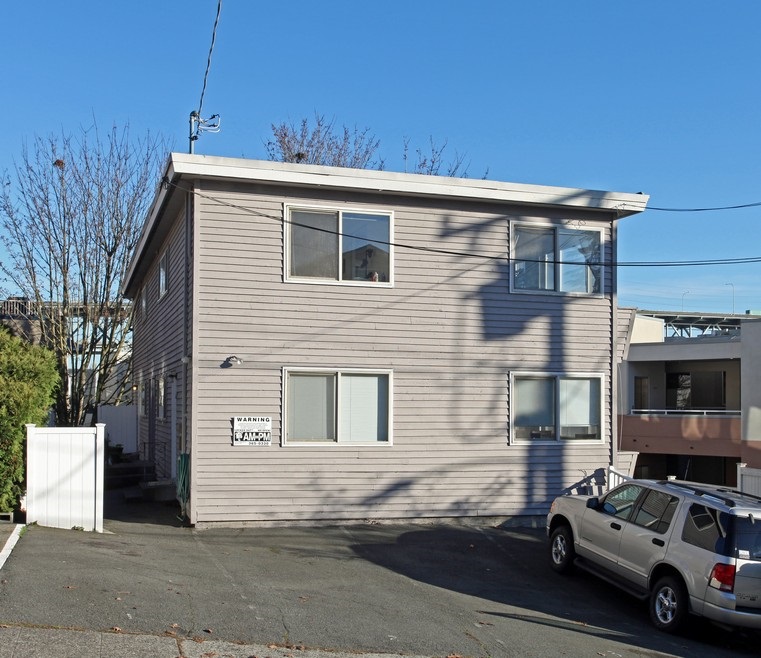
[[682, 432]]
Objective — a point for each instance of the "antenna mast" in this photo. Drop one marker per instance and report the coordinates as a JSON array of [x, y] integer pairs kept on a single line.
[[197, 123]]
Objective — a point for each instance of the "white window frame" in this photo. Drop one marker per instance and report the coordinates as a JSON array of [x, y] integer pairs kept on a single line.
[[292, 370], [144, 302], [287, 210], [556, 377], [164, 273], [515, 226]]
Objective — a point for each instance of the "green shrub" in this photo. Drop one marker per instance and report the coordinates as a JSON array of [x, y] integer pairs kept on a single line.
[[28, 379]]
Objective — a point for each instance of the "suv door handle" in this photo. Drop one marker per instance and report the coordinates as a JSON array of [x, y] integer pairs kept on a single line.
[[659, 542], [615, 526]]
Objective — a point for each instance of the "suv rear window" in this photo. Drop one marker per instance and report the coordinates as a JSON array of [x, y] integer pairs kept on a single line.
[[748, 538], [707, 528], [722, 533]]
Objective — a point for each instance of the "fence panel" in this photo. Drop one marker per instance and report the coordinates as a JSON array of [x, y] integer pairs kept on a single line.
[[749, 479], [65, 476], [122, 425]]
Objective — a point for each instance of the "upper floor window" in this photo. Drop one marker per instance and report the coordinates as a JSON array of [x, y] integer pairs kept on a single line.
[[339, 245], [556, 407], [557, 259], [338, 406], [164, 273]]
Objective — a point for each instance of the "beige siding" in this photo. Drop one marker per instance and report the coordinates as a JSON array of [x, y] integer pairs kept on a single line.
[[449, 329], [158, 350]]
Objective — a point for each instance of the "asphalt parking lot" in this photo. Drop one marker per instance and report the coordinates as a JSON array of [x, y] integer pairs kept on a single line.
[[433, 590]]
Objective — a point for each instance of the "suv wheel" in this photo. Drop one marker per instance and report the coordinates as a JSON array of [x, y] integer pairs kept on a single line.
[[562, 553], [668, 604]]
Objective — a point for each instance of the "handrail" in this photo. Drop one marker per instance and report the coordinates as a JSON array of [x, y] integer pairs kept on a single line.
[[686, 412]]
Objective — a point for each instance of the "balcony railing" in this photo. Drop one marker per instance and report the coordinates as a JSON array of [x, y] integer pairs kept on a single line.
[[686, 412]]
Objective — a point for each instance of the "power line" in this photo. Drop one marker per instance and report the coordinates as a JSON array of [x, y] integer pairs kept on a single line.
[[208, 60], [465, 254], [743, 205]]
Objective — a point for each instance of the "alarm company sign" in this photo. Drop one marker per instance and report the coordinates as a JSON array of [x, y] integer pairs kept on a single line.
[[252, 430]]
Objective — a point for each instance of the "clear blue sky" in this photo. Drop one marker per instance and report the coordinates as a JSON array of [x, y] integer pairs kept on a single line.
[[652, 96]]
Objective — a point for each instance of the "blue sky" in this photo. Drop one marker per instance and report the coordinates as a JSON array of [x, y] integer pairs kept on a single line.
[[652, 96]]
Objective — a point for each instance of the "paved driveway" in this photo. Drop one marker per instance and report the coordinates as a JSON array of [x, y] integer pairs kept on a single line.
[[430, 590]]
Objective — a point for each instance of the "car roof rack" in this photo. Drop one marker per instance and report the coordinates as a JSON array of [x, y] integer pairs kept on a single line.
[[724, 494]]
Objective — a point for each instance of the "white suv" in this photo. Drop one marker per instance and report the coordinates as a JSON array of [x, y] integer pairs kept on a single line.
[[687, 547]]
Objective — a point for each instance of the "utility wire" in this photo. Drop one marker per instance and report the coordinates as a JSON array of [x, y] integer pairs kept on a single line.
[[744, 205], [465, 254], [208, 60]]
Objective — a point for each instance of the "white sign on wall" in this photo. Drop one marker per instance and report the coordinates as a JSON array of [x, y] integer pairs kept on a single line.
[[252, 431]]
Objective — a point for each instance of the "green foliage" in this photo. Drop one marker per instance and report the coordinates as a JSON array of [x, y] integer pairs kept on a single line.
[[28, 380]]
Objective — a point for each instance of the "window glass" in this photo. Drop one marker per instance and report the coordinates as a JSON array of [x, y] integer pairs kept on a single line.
[[748, 538], [556, 407], [656, 511], [160, 398], [707, 528], [534, 408], [339, 246], [311, 407], [579, 408], [558, 259], [364, 408], [338, 407], [620, 501], [163, 273], [364, 248], [579, 256], [535, 255], [314, 244]]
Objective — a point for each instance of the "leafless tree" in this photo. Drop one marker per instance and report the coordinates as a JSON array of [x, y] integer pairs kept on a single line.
[[71, 216], [432, 162], [323, 144]]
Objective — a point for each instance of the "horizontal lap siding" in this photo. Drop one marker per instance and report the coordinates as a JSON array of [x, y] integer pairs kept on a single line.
[[159, 342], [449, 330]]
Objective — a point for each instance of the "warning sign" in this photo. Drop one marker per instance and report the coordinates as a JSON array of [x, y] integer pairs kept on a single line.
[[252, 430]]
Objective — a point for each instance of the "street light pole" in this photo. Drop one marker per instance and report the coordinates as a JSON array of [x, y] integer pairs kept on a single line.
[[686, 292], [733, 296]]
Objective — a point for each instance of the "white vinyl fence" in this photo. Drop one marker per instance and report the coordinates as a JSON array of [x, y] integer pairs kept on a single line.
[[65, 476], [749, 479]]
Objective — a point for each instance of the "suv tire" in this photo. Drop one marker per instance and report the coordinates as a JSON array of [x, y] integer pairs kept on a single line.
[[562, 552], [668, 604]]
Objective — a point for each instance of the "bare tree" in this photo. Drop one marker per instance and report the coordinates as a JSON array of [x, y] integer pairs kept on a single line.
[[71, 217], [431, 162], [323, 144]]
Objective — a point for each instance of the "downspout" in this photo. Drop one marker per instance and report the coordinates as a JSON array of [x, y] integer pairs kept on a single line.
[[614, 370]]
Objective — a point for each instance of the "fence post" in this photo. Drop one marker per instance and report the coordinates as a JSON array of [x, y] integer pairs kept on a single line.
[[100, 466]]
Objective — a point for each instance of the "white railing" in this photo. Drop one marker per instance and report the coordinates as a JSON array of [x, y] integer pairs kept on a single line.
[[686, 412], [615, 477], [749, 479]]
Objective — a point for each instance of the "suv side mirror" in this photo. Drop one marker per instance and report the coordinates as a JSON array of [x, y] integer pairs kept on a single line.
[[593, 503]]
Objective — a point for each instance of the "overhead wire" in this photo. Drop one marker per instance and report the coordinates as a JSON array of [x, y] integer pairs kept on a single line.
[[208, 59], [755, 204], [465, 254]]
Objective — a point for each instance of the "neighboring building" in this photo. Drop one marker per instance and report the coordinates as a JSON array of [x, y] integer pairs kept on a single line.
[[317, 343], [690, 396]]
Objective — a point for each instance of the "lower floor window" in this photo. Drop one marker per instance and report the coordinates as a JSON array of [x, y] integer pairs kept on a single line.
[[337, 406], [556, 407]]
